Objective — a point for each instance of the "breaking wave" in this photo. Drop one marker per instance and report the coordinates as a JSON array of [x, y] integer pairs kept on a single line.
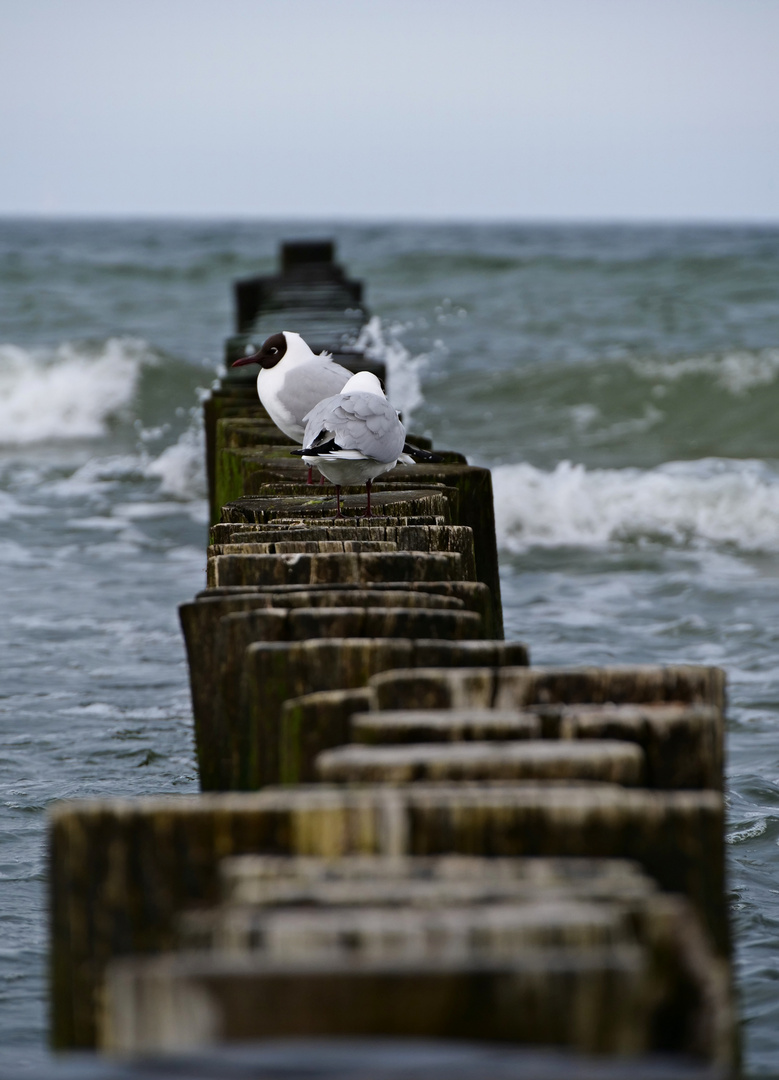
[[712, 501], [69, 391], [404, 371], [180, 467], [85, 390], [735, 372]]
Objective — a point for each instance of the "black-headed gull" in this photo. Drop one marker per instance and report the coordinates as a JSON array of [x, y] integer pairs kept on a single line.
[[354, 436], [292, 380]]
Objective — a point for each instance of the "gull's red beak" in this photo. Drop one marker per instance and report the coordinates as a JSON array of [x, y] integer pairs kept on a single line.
[[251, 359]]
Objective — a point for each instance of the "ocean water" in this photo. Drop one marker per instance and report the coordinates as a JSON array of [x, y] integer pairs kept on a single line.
[[622, 382]]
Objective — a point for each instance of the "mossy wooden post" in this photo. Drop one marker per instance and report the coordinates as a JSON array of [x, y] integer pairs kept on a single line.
[[253, 471], [401, 727], [235, 464], [475, 509], [312, 723], [597, 974], [229, 539], [605, 761], [507, 688], [228, 745], [121, 871], [224, 401], [335, 568], [423, 506], [472, 595], [221, 998], [273, 672], [201, 623], [682, 744]]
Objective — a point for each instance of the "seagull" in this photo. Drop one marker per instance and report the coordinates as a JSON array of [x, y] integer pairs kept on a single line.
[[292, 380], [354, 436]]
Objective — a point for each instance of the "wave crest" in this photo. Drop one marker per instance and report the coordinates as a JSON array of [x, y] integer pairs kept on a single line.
[[707, 502], [735, 372], [180, 467], [404, 383], [69, 391]]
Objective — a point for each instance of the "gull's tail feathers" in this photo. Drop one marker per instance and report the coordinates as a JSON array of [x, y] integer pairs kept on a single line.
[[414, 454]]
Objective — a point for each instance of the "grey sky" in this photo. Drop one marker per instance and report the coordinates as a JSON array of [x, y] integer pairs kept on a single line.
[[575, 109]]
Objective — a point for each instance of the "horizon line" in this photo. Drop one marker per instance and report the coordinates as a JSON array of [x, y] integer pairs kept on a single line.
[[410, 219]]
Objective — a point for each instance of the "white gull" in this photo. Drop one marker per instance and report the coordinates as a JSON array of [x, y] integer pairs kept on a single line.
[[354, 436]]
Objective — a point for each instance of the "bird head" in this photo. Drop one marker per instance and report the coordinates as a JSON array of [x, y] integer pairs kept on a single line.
[[273, 350], [365, 382]]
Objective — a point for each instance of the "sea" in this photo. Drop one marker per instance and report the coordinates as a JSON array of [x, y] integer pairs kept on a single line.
[[622, 382]]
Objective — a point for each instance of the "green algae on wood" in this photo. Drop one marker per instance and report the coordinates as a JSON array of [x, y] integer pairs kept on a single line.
[[312, 723], [272, 672]]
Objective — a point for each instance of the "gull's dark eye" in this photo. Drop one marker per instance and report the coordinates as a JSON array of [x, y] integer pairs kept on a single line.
[[274, 350]]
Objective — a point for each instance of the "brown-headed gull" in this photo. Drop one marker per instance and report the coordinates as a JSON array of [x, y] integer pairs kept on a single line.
[[292, 380]]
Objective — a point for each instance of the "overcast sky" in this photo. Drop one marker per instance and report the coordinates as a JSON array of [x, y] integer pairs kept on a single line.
[[526, 109]]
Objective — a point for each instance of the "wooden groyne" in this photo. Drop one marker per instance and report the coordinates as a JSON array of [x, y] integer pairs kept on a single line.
[[405, 829]]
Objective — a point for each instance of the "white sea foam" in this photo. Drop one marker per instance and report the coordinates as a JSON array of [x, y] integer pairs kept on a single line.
[[747, 831], [95, 478], [178, 472], [11, 508], [404, 383], [735, 372], [699, 503], [70, 391], [15, 554], [180, 468], [147, 511]]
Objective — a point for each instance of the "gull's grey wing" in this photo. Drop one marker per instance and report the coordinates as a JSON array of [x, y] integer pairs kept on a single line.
[[319, 419], [305, 386], [359, 421]]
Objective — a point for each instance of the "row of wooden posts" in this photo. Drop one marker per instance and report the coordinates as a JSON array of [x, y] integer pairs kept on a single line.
[[405, 829]]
